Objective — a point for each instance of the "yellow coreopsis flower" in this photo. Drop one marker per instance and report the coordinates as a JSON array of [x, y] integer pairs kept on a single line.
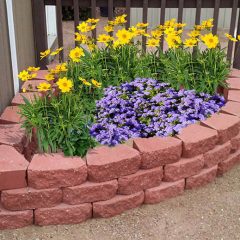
[[117, 44], [134, 31], [104, 38], [65, 85], [156, 33], [198, 27], [108, 28], [238, 37], [124, 36], [84, 27], [190, 42], [33, 69], [173, 40], [49, 77], [44, 87], [111, 23], [93, 20], [80, 38], [24, 75], [53, 71], [180, 31], [153, 42], [161, 27], [180, 25], [92, 27], [141, 32], [24, 90], [210, 40], [61, 67], [169, 30], [142, 25], [207, 23], [44, 54], [85, 82], [230, 37], [76, 53], [57, 51], [91, 46], [194, 33], [170, 23], [120, 19], [96, 83], [32, 76]]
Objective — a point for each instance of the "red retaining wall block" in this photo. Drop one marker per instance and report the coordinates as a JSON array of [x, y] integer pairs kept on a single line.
[[164, 191], [31, 85], [186, 167], [41, 74], [117, 205], [203, 178], [235, 142], [63, 214], [231, 108], [90, 192], [234, 95], [226, 125], [158, 151], [235, 73], [29, 198], [55, 170], [197, 140], [17, 219], [18, 99], [229, 163], [12, 135], [107, 163], [141, 180], [233, 83], [10, 115], [216, 155], [13, 168]]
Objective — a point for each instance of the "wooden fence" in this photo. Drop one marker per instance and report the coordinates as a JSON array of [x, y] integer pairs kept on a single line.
[[40, 30]]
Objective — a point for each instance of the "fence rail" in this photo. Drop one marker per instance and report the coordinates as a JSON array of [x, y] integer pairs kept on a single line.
[[40, 30]]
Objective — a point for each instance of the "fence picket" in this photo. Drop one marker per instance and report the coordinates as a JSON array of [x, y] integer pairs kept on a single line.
[[232, 28], [59, 28]]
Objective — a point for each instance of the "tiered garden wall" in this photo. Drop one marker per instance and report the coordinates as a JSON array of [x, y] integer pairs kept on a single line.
[[53, 189]]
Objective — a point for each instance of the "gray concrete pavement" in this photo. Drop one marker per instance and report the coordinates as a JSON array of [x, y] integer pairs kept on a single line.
[[209, 213]]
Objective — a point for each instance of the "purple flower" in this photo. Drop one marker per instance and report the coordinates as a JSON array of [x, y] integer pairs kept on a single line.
[[146, 107]]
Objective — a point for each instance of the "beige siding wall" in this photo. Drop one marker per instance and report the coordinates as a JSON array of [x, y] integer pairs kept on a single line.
[[188, 16], [6, 82], [22, 13]]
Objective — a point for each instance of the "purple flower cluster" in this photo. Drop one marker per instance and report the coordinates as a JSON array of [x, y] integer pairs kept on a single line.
[[147, 107]]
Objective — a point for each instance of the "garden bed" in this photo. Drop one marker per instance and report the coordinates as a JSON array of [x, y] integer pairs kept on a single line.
[[53, 189]]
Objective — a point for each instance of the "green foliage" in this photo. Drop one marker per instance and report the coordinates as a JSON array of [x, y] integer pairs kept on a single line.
[[114, 66], [203, 71], [62, 122]]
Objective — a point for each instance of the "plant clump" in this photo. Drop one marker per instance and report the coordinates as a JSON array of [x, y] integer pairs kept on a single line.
[[146, 108]]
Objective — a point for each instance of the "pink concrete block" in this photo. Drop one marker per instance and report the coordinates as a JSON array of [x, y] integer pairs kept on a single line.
[[13, 167], [107, 163], [158, 151], [56, 170]]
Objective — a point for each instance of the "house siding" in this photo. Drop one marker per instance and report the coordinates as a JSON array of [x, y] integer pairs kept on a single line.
[[6, 78], [22, 13]]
